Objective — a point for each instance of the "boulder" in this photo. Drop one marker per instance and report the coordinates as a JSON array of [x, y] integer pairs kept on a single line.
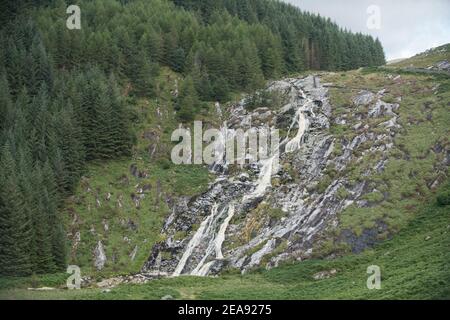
[[325, 274], [363, 98], [99, 256]]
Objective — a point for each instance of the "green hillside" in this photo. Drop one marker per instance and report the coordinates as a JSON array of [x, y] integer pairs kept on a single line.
[[86, 118], [70, 98], [414, 265], [425, 59]]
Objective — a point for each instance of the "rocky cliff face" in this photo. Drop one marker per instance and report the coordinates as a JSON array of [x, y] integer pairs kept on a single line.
[[262, 214]]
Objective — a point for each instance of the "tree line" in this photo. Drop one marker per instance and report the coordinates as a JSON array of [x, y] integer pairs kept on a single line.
[[51, 123], [222, 46]]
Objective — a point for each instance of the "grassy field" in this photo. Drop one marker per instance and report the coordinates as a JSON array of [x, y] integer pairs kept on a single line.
[[414, 265]]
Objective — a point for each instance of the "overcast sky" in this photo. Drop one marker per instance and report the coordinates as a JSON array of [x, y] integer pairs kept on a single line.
[[407, 27]]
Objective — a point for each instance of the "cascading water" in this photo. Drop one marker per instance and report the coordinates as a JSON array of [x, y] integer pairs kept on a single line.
[[221, 235], [193, 243], [207, 229], [231, 195], [294, 144]]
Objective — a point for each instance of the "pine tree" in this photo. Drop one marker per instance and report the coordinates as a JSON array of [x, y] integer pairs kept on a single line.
[[119, 121], [15, 235], [56, 230], [144, 76], [71, 147], [220, 90], [187, 101], [42, 238], [152, 43], [41, 66], [5, 101]]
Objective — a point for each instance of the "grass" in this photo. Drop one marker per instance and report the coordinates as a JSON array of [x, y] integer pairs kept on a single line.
[[425, 59], [414, 265], [412, 166], [130, 225]]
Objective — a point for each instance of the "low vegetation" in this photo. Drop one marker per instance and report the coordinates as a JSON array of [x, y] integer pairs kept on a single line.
[[414, 265]]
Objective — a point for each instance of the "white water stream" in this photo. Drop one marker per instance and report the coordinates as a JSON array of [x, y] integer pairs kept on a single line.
[[194, 242], [207, 229]]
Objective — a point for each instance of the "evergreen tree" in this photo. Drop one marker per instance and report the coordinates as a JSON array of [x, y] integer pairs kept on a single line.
[[42, 238], [5, 101], [15, 231], [187, 101], [144, 75]]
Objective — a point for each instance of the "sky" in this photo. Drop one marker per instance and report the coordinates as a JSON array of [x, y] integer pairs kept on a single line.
[[405, 27]]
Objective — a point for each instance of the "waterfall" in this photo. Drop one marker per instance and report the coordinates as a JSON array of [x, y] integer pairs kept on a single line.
[[194, 242], [202, 269], [207, 233], [221, 235], [205, 247], [303, 123], [264, 180]]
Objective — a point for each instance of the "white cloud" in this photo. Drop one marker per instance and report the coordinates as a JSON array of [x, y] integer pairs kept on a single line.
[[407, 26]]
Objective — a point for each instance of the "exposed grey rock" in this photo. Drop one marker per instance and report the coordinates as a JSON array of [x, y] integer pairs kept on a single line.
[[137, 173], [325, 274], [42, 289], [390, 123], [105, 225], [256, 258], [306, 211], [76, 241], [363, 98], [381, 108], [133, 253], [99, 256], [110, 283], [442, 65], [368, 238], [357, 126]]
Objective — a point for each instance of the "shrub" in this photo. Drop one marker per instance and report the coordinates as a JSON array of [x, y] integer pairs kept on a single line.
[[443, 198]]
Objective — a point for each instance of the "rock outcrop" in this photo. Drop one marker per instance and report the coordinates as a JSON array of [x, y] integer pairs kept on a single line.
[[99, 256], [262, 214]]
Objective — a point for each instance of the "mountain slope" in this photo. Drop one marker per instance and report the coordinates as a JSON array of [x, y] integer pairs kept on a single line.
[[68, 99], [414, 265], [355, 164], [417, 164], [429, 59], [362, 154]]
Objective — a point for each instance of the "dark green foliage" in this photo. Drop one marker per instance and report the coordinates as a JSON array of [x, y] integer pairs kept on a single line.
[[15, 221], [306, 41], [224, 45], [188, 102], [101, 116], [52, 121], [143, 76], [443, 198]]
